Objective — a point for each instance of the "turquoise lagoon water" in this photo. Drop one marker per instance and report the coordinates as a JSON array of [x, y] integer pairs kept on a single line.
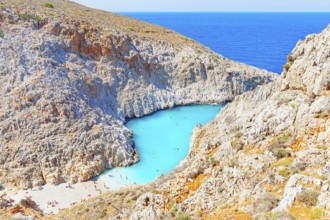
[[162, 140]]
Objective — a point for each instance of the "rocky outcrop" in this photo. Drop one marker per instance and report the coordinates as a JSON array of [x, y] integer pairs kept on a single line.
[[290, 115], [265, 156], [69, 82]]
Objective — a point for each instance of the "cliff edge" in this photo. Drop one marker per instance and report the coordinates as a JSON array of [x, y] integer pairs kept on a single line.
[[71, 76], [265, 156]]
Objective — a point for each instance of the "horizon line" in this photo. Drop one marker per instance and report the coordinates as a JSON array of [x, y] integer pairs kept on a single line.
[[220, 11]]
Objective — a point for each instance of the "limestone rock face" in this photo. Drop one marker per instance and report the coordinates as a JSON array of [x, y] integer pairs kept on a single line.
[[310, 66], [68, 85], [274, 139], [148, 206], [292, 111]]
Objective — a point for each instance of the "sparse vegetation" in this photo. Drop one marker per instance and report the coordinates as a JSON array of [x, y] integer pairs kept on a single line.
[[233, 162], [280, 153], [321, 115], [295, 106], [284, 172], [290, 59], [185, 39], [237, 145], [285, 162], [265, 203], [278, 216], [214, 162], [309, 197], [49, 5], [316, 213], [239, 135], [132, 29], [297, 167], [286, 67], [182, 216], [27, 17], [284, 75], [324, 177], [279, 148], [284, 137], [2, 35], [175, 213], [215, 59], [322, 147]]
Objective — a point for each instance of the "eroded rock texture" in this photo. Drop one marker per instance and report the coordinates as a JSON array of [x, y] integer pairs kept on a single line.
[[265, 156], [69, 83]]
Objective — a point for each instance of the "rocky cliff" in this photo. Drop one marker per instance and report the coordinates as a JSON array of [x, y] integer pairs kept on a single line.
[[71, 76], [265, 156]]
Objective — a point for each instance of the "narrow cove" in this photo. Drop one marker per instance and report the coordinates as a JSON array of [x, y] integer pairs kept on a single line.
[[162, 139]]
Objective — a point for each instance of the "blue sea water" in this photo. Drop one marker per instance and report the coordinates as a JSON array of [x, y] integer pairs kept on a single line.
[[162, 140], [260, 39]]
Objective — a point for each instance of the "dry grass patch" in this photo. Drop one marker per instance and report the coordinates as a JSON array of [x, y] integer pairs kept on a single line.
[[303, 212], [228, 213], [299, 144], [193, 187]]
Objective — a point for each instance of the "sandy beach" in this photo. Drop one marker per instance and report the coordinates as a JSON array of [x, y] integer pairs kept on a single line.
[[50, 199]]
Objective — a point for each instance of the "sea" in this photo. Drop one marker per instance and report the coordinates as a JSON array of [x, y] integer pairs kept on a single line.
[[263, 40]]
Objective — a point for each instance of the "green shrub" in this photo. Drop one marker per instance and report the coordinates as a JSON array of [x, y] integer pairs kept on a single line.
[[285, 162], [298, 167], [233, 162], [214, 162], [324, 177], [316, 213], [284, 75], [295, 106], [284, 137], [286, 67], [321, 115], [278, 215], [49, 5], [182, 216], [280, 153], [1, 33], [309, 197], [26, 17], [284, 172], [322, 147], [237, 145], [264, 203], [239, 135], [278, 148], [290, 59]]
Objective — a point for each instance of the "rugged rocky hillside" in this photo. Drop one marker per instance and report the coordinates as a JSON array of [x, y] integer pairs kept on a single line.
[[71, 76], [265, 156]]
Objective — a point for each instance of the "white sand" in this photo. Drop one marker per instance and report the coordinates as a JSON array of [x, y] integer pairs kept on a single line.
[[61, 196]]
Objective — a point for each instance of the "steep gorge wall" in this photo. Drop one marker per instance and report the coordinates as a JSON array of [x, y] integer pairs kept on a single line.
[[67, 86], [270, 145]]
